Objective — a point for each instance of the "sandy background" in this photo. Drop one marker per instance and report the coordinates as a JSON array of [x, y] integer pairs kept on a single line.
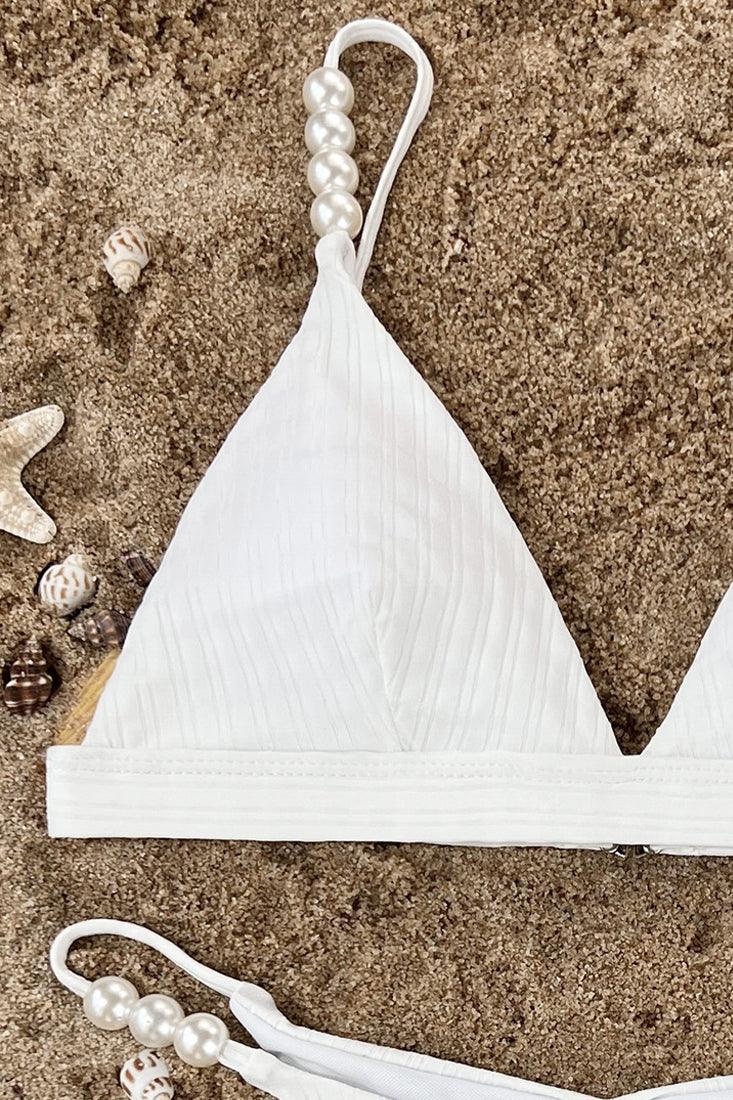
[[557, 262]]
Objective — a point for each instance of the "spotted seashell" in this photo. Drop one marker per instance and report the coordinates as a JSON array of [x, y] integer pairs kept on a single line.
[[30, 684], [146, 1077], [67, 586], [141, 569], [126, 253], [108, 628]]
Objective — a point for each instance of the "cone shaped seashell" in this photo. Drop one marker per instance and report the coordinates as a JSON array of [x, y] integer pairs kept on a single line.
[[141, 569], [104, 629], [30, 684], [126, 253], [68, 585], [21, 438], [146, 1076], [107, 628]]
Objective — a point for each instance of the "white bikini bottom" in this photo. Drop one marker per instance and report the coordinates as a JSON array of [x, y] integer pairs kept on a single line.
[[295, 1063]]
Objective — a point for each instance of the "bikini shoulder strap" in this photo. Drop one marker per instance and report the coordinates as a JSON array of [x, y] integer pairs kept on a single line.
[[329, 134], [200, 1039]]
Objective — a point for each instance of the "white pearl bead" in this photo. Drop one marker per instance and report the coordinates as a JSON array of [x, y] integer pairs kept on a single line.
[[108, 1001], [329, 130], [154, 1019], [335, 210], [328, 87], [199, 1039], [332, 170]]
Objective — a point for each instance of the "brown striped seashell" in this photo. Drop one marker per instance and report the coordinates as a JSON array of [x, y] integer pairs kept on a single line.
[[126, 253], [30, 683], [141, 569], [68, 585], [146, 1077], [107, 628]]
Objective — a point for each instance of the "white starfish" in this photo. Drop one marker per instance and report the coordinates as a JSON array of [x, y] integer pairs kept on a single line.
[[21, 438]]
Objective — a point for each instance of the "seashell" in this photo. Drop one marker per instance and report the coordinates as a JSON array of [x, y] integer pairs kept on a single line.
[[146, 1077], [108, 628], [126, 253], [30, 684], [141, 569], [68, 585]]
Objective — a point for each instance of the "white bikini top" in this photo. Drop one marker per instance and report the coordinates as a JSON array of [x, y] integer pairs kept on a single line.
[[291, 1062], [348, 638]]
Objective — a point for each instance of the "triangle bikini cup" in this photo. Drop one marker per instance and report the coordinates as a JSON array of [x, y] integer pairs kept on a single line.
[[376, 654]]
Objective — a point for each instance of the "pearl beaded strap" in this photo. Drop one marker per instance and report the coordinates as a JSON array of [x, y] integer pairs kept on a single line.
[[329, 134], [200, 1039], [112, 1003]]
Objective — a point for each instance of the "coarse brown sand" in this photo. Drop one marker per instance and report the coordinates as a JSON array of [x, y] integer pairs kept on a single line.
[[556, 261]]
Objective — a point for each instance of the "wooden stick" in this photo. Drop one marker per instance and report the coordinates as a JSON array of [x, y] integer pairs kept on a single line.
[[74, 726]]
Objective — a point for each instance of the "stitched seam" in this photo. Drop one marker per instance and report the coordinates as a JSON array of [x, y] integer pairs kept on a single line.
[[498, 771]]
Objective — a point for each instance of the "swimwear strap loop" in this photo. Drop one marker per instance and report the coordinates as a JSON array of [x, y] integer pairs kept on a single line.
[[65, 940], [379, 30], [256, 1066]]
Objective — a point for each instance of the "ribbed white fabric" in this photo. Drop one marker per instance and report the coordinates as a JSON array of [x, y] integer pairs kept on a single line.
[[296, 1063], [349, 639], [700, 720]]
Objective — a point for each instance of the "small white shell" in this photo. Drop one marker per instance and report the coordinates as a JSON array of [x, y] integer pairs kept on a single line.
[[67, 586], [126, 253], [146, 1077]]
